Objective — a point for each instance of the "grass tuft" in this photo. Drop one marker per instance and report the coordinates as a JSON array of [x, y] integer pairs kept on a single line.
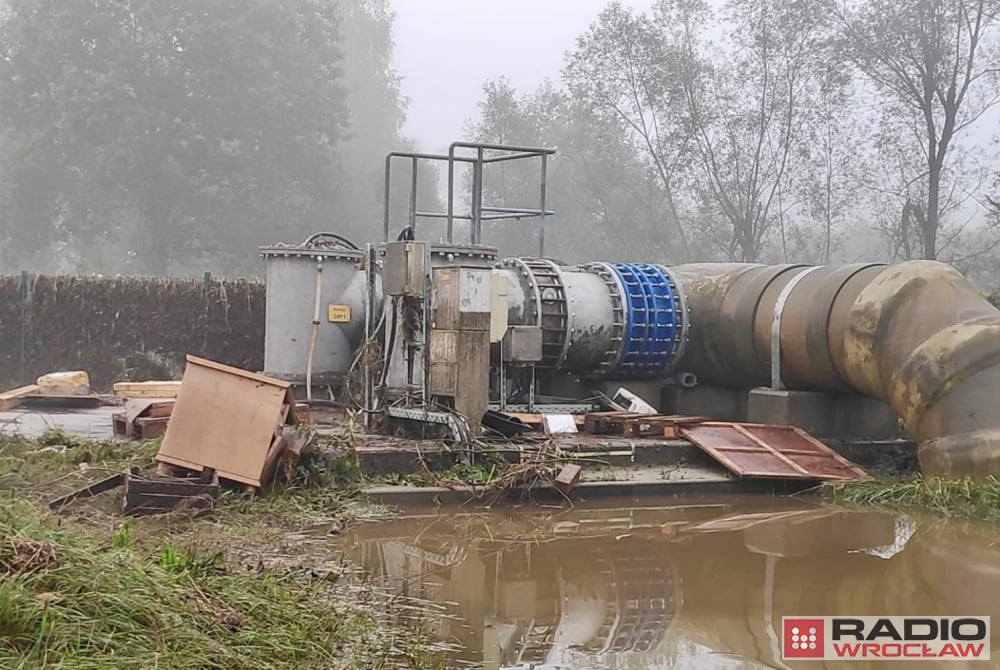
[[978, 499]]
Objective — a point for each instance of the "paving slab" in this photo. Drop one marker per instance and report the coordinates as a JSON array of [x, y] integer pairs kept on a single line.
[[93, 423]]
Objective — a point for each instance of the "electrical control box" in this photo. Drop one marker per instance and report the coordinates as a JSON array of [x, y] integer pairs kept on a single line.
[[403, 269], [522, 344], [498, 306]]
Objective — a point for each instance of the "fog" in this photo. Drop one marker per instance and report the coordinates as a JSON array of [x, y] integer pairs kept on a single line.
[[173, 137]]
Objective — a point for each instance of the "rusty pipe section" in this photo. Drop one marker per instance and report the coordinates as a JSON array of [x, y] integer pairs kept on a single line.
[[731, 309], [915, 334]]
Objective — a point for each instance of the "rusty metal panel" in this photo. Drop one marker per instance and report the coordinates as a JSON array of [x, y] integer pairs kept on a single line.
[[781, 452]]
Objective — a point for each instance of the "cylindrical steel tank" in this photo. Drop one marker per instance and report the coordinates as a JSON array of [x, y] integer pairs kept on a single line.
[[291, 276]]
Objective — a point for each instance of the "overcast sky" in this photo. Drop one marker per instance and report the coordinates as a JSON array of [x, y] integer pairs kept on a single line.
[[446, 49]]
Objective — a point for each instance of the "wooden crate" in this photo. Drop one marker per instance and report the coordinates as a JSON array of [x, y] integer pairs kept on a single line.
[[229, 420]]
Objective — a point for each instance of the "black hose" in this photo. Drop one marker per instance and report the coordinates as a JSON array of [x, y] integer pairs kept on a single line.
[[340, 238]]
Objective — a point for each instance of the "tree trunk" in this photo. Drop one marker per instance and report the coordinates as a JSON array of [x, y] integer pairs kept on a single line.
[[930, 227]]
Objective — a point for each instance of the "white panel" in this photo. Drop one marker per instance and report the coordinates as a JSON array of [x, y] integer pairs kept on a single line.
[[498, 306], [474, 291]]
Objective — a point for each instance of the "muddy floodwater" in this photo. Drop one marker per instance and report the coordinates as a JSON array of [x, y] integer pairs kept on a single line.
[[678, 583]]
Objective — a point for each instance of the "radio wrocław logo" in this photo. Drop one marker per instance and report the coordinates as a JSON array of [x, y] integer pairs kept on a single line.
[[887, 638]]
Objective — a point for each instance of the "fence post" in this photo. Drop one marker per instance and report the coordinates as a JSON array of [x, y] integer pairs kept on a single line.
[[22, 352]]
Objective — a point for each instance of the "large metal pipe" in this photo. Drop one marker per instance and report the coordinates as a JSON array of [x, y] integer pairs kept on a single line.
[[915, 334], [615, 320]]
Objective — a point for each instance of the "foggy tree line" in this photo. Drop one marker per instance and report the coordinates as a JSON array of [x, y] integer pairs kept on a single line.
[[768, 131], [175, 136]]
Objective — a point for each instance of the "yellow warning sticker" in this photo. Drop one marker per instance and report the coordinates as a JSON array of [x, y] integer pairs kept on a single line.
[[339, 313]]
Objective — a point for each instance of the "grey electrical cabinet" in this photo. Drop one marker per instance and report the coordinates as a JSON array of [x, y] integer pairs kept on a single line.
[[403, 269], [522, 344]]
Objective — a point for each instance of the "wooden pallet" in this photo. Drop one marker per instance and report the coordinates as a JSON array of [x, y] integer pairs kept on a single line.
[[36, 396], [632, 425], [159, 494], [606, 423]]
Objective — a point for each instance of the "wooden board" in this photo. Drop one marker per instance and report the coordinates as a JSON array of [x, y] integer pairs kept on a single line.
[[89, 491], [772, 452], [226, 418], [11, 399], [155, 389]]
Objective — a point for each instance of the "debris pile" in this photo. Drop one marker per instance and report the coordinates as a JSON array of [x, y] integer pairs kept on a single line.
[[57, 389], [219, 425]]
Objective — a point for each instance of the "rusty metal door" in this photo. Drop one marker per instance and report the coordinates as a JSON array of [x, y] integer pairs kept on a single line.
[[778, 452]]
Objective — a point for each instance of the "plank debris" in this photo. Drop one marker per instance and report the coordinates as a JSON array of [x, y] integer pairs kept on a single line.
[[89, 491], [148, 389], [568, 477]]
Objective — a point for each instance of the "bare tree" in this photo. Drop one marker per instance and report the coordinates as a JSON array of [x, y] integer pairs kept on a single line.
[[935, 61], [834, 161], [629, 72], [748, 110]]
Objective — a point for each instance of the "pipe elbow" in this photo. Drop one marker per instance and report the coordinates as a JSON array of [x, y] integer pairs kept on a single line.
[[921, 337]]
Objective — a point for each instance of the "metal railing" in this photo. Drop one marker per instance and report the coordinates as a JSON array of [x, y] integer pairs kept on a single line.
[[484, 154]]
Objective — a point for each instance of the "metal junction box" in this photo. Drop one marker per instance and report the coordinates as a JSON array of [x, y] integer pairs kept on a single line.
[[403, 268], [522, 344]]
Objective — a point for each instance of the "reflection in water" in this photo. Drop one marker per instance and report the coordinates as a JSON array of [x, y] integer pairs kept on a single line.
[[695, 585]]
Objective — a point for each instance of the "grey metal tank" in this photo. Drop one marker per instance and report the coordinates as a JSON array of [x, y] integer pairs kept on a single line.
[[291, 275]]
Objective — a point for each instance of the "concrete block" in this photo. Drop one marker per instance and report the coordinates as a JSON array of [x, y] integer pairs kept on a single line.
[[815, 413], [716, 402], [825, 415]]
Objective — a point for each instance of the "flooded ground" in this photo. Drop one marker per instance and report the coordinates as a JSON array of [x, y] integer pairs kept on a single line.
[[677, 583]]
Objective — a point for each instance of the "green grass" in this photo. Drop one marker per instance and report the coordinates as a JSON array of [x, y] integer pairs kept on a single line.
[[86, 589], [978, 499]]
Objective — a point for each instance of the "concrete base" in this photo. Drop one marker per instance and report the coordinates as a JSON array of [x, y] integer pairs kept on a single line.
[[824, 415], [711, 401]]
